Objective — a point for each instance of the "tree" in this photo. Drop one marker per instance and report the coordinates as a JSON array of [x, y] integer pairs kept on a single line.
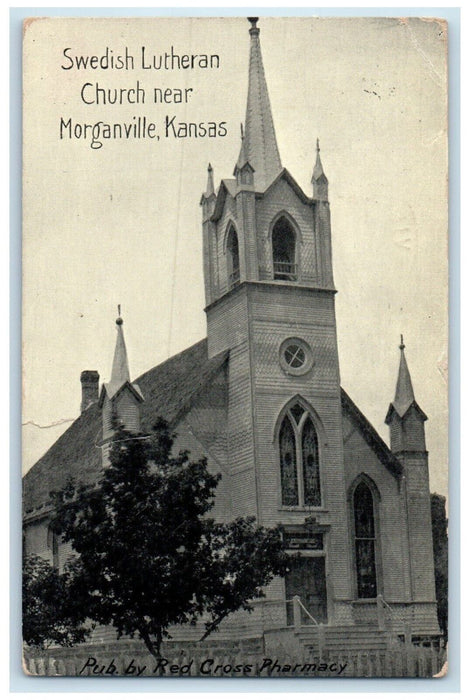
[[242, 559], [52, 613], [440, 550], [148, 555]]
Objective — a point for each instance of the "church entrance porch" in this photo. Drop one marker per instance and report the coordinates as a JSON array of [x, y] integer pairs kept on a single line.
[[307, 580]]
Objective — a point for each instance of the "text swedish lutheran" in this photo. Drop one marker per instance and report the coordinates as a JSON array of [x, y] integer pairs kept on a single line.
[[168, 60]]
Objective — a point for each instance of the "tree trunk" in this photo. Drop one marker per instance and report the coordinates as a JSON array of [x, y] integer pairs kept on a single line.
[[154, 649], [212, 627]]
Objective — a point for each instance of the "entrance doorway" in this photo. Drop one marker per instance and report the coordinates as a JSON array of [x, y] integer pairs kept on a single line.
[[307, 579]]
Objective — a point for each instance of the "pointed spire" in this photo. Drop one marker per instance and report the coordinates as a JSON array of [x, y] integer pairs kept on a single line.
[[120, 372], [404, 395], [242, 158], [210, 182], [318, 169], [259, 141]]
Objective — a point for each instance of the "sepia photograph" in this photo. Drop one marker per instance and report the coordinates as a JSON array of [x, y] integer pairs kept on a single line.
[[235, 347]]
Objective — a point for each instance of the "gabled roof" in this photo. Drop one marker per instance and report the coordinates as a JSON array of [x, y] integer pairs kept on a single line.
[[370, 435], [168, 391], [226, 187], [285, 175]]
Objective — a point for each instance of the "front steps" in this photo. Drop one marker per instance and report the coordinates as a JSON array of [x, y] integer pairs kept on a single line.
[[343, 639]]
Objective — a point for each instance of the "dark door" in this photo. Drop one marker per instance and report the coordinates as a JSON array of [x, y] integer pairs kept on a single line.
[[307, 580]]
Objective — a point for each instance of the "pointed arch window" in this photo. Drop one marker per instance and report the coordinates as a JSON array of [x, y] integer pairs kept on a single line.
[[365, 541], [284, 250], [233, 258], [299, 459]]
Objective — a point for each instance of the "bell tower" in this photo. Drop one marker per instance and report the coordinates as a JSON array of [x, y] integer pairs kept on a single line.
[[270, 301]]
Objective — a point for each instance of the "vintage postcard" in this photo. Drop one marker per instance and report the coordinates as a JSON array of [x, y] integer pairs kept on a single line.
[[235, 347]]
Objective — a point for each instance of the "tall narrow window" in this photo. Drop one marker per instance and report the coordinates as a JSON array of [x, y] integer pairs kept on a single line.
[[288, 457], [310, 464], [365, 535], [299, 459], [283, 241], [233, 258]]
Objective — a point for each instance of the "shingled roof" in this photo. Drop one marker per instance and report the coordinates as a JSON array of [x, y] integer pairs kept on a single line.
[[168, 390]]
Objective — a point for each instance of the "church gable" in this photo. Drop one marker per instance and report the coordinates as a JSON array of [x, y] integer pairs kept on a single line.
[[169, 390]]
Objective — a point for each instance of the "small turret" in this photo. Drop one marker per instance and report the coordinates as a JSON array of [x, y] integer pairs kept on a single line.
[[407, 441], [404, 417], [243, 170], [319, 179], [120, 399], [208, 197]]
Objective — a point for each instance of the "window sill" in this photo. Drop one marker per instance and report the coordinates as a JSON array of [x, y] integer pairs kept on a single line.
[[304, 509]]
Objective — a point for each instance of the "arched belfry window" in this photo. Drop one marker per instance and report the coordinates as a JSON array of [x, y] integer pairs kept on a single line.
[[284, 254], [365, 541], [299, 459], [233, 258]]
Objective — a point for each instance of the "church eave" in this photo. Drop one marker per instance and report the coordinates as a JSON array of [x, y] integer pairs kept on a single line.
[[371, 436]]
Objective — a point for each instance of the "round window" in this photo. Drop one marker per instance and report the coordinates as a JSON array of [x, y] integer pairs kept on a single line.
[[295, 356]]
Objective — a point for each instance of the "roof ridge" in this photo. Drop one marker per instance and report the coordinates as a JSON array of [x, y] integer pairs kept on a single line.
[[371, 435]]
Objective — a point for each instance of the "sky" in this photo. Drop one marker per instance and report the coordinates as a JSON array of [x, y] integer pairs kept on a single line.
[[122, 224]]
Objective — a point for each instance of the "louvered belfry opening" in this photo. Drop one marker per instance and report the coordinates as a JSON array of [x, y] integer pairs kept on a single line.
[[284, 263], [233, 258]]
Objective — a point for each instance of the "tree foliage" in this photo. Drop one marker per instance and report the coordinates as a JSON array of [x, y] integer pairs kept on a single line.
[[52, 613], [440, 549], [148, 555]]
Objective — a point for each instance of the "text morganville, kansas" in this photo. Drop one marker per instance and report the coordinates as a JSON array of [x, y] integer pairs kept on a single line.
[[139, 128]]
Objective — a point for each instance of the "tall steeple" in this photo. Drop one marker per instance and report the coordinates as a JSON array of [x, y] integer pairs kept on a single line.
[[259, 143]]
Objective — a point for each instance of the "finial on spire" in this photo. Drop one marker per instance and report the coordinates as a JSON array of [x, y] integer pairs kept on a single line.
[[318, 145], [241, 130], [119, 321], [402, 344]]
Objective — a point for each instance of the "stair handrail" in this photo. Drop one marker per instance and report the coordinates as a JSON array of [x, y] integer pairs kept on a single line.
[[296, 599], [394, 614]]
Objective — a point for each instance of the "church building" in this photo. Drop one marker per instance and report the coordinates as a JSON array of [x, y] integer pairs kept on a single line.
[[261, 398]]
